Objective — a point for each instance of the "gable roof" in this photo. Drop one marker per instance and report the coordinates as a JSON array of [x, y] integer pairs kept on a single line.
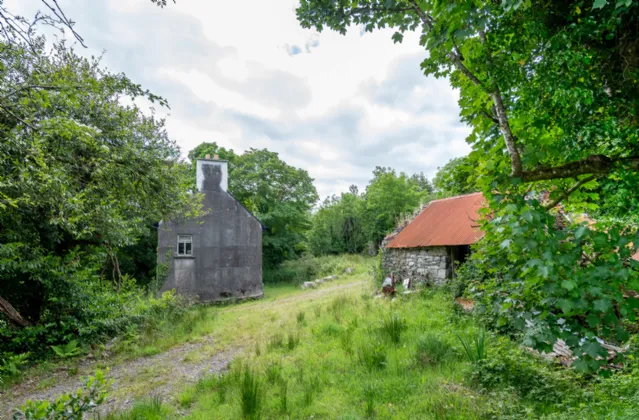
[[449, 221]]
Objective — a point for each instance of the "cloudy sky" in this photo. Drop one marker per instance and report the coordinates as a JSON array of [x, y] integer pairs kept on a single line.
[[244, 74]]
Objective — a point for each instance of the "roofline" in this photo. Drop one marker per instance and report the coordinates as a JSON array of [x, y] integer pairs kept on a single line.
[[455, 197], [211, 160]]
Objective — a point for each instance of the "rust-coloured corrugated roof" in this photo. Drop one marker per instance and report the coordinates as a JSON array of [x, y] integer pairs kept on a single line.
[[449, 221]]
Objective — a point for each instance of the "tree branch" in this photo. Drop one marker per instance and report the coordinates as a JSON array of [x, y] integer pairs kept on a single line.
[[12, 315], [595, 165], [569, 191]]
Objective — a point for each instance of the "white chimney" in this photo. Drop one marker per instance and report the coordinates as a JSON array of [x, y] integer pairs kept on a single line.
[[212, 175]]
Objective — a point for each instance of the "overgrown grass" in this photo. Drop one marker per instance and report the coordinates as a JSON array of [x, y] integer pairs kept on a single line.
[[351, 356]]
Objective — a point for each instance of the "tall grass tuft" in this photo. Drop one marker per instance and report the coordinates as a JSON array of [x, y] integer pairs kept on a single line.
[[293, 339], [274, 372], [393, 326], [370, 395], [300, 317], [276, 341], [432, 351], [474, 346], [372, 356], [250, 395], [284, 397]]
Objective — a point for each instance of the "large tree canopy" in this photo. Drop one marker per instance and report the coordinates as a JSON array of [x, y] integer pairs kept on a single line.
[[81, 175], [551, 92]]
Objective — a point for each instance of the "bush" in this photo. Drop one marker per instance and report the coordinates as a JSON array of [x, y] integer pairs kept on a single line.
[[107, 315], [73, 405], [529, 377]]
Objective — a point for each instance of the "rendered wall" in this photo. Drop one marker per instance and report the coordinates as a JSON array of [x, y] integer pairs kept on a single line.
[[227, 247]]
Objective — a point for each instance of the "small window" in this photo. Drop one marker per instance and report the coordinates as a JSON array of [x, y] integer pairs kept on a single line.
[[185, 245]]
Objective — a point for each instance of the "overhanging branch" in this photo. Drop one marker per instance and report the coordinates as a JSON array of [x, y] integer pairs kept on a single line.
[[592, 165], [567, 193]]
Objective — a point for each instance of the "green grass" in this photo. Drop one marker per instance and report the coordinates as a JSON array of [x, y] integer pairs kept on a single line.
[[339, 353]]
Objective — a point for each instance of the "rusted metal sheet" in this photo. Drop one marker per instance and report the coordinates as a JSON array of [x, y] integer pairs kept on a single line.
[[449, 221]]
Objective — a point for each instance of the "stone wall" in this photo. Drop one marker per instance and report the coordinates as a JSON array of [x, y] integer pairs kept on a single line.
[[430, 264]]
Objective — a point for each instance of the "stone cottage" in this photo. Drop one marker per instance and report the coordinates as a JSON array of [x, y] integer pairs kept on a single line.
[[427, 247], [219, 255]]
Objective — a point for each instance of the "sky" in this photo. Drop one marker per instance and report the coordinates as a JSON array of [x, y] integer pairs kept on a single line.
[[244, 74]]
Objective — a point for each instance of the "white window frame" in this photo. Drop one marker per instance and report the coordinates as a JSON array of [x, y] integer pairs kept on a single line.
[[187, 241]]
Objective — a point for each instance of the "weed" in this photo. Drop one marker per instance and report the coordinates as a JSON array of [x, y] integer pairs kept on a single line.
[[318, 311], [274, 372], [186, 398], [372, 356], [338, 305], [346, 339], [250, 395], [68, 350], [283, 397], [369, 393], [300, 317], [432, 351], [276, 341], [207, 382], [258, 350], [475, 346], [310, 388], [393, 326], [293, 340]]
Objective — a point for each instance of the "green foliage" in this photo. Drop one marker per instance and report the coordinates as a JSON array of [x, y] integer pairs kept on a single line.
[[12, 364], [147, 409], [458, 176], [68, 350], [251, 395], [73, 405], [337, 226], [474, 346], [433, 351], [388, 196], [307, 268], [393, 326], [372, 355], [547, 89]]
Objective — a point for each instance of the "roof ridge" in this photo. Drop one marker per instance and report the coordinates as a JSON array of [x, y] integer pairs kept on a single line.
[[454, 197]]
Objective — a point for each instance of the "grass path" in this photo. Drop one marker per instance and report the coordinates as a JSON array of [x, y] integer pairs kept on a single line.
[[218, 335]]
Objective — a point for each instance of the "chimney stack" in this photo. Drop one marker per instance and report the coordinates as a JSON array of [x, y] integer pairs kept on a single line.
[[212, 175]]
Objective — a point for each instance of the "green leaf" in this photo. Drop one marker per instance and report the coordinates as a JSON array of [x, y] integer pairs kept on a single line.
[[568, 284], [602, 305], [598, 4]]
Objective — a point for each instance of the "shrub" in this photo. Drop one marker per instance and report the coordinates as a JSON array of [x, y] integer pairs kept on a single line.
[[432, 351], [250, 395], [73, 405], [393, 326], [529, 377]]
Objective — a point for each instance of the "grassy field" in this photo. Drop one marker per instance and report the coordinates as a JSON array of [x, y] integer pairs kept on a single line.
[[338, 352]]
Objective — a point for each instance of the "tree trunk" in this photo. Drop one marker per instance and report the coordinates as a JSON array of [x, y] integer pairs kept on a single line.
[[14, 317]]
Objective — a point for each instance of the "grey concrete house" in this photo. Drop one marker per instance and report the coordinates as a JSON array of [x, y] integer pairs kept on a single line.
[[219, 255], [427, 248]]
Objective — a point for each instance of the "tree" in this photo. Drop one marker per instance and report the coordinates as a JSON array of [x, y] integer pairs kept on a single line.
[[388, 196], [458, 176], [81, 175], [338, 225], [551, 91]]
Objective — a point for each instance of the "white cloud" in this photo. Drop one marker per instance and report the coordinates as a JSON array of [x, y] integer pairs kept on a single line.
[[245, 74]]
